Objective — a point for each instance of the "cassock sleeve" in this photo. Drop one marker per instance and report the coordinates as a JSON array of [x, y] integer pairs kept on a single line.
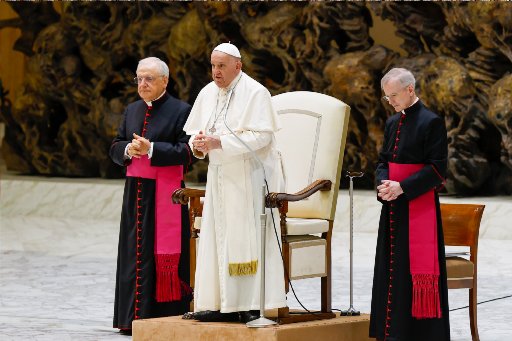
[[436, 159], [119, 144], [172, 154], [255, 140]]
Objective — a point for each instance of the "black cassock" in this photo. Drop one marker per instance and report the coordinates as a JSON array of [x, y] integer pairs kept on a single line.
[[423, 140], [164, 127]]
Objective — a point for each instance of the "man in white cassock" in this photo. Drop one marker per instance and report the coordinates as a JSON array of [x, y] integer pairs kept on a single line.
[[234, 108]]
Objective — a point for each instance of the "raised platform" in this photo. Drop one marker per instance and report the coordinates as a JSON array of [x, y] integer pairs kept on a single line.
[[344, 328]]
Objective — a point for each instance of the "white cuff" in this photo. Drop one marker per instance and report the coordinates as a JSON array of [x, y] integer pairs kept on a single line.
[[126, 155], [150, 151]]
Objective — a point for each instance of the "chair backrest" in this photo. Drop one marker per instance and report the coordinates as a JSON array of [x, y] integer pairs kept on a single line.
[[312, 143], [461, 223]]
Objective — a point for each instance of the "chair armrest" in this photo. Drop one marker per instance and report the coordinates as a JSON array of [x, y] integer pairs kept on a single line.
[[274, 199], [183, 195]]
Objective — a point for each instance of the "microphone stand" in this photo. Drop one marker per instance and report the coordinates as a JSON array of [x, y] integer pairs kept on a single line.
[[351, 311], [262, 321]]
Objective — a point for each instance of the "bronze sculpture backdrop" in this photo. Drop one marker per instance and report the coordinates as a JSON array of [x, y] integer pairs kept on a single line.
[[82, 60]]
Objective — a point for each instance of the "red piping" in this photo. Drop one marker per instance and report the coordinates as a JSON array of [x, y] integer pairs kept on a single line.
[[138, 227], [392, 228]]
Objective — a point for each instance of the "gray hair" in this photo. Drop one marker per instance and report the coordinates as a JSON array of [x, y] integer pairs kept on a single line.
[[404, 76], [156, 63]]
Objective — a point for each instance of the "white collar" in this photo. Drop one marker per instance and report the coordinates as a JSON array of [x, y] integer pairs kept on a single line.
[[413, 103], [150, 103]]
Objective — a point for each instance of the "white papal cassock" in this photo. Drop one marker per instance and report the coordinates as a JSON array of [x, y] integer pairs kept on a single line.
[[230, 227]]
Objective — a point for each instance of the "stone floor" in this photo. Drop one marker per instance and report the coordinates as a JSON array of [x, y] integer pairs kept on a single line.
[[58, 241]]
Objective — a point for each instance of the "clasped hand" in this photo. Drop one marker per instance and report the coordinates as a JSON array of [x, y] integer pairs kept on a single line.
[[204, 143], [139, 146], [389, 190]]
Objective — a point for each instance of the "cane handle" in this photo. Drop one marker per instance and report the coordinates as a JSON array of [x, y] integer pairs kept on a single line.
[[354, 174]]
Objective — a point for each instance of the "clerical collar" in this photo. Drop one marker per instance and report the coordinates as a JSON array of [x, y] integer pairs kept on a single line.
[[412, 107], [150, 103]]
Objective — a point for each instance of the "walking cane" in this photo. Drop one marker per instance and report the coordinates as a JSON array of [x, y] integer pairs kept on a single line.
[[351, 311]]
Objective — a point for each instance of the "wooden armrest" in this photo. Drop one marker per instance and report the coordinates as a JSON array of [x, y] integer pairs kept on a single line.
[[183, 195], [273, 199]]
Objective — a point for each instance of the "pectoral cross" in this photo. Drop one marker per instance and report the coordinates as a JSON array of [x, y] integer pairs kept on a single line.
[[212, 130]]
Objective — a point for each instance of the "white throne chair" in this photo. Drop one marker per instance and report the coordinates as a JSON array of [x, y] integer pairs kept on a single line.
[[312, 143]]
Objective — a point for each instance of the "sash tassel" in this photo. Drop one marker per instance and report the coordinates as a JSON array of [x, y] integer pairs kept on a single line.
[[169, 287], [425, 296]]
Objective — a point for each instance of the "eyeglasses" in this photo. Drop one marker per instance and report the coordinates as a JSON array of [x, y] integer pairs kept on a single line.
[[148, 79], [393, 95]]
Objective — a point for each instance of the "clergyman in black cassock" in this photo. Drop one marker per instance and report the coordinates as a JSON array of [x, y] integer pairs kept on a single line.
[[413, 137], [152, 131]]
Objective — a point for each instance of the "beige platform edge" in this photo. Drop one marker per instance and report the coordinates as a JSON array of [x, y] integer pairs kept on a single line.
[[345, 328]]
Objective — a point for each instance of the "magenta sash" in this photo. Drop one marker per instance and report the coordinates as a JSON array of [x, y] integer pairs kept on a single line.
[[167, 225], [424, 262]]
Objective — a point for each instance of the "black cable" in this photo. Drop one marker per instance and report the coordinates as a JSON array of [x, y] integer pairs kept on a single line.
[[493, 299]]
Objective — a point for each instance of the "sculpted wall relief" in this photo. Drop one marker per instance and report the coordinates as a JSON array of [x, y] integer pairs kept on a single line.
[[82, 61]]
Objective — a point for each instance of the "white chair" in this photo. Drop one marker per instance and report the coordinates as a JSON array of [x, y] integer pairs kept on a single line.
[[312, 143]]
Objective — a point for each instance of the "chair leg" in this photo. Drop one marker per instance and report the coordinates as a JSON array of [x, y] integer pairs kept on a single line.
[[326, 282], [326, 294], [472, 314]]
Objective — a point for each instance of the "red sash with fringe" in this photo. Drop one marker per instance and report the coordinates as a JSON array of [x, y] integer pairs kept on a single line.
[[423, 253], [167, 226]]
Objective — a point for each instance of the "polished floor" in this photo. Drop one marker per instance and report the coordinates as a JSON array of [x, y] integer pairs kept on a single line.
[[58, 242]]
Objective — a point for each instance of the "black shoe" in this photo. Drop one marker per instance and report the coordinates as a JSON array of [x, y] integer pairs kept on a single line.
[[188, 316], [125, 332], [215, 316], [248, 316]]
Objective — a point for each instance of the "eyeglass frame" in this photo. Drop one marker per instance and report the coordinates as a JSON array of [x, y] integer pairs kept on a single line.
[[148, 79], [393, 95]]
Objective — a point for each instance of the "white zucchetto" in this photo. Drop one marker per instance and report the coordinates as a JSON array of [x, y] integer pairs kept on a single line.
[[228, 48]]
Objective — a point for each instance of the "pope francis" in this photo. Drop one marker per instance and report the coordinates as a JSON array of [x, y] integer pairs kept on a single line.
[[233, 121]]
